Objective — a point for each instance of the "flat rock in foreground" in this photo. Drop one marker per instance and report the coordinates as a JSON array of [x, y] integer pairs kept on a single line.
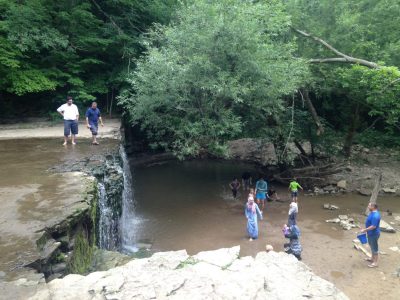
[[175, 275]]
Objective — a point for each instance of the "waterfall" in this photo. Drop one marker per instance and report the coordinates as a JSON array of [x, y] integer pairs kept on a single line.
[[128, 220], [108, 225]]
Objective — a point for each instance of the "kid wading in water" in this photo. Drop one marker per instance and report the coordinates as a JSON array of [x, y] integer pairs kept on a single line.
[[293, 187], [234, 185], [293, 211], [251, 211]]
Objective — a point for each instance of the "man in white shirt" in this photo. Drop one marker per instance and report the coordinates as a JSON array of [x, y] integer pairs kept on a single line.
[[70, 114]]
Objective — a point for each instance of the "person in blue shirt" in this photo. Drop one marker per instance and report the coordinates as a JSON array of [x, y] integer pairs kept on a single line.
[[92, 121], [261, 192], [373, 232]]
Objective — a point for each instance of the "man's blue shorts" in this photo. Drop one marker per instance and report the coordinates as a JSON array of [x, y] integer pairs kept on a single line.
[[70, 127], [294, 193], [373, 243], [261, 196], [94, 128]]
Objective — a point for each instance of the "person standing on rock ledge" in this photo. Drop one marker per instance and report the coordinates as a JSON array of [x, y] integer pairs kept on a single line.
[[92, 121], [70, 113], [373, 232]]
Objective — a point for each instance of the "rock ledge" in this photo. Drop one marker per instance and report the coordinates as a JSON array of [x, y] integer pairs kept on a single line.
[[219, 274]]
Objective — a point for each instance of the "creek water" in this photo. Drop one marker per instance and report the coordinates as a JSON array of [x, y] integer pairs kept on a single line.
[[32, 196], [188, 205], [185, 205]]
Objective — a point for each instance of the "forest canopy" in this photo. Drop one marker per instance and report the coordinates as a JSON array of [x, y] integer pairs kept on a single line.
[[220, 71]]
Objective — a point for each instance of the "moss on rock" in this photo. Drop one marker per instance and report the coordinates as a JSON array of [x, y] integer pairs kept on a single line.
[[82, 256]]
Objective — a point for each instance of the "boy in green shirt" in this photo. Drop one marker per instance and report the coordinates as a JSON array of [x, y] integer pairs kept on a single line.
[[293, 187]]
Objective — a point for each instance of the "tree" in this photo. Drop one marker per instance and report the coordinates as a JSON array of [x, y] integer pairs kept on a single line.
[[84, 48], [221, 70], [351, 98]]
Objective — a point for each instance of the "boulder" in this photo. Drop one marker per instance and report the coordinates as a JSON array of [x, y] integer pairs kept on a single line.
[[202, 276], [222, 257], [329, 188], [318, 191], [347, 225], [336, 220], [384, 226], [330, 206], [365, 191], [48, 250], [389, 191], [253, 150], [59, 268], [342, 184]]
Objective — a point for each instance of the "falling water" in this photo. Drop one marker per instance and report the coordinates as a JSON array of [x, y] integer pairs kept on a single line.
[[108, 225], [128, 220]]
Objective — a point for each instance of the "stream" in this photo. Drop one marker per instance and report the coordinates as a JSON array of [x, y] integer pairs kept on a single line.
[[188, 205], [184, 205]]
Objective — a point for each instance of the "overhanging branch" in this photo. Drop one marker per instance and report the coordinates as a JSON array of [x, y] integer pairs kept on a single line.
[[343, 57]]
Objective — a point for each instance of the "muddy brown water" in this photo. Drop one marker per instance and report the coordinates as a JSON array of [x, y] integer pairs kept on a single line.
[[31, 197], [189, 206]]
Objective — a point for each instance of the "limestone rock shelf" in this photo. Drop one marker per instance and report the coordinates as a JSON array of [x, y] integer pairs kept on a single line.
[[219, 274]]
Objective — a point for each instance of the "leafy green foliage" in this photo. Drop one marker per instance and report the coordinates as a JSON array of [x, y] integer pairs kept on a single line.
[[351, 98], [219, 70], [82, 48]]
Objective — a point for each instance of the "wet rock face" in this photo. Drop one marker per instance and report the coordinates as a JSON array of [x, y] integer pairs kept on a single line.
[[253, 150], [219, 274]]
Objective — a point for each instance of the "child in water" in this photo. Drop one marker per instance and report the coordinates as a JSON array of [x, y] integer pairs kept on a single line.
[[252, 211], [234, 185], [294, 189], [293, 211]]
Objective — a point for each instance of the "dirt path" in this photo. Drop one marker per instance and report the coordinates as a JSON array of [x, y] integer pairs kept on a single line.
[[42, 129]]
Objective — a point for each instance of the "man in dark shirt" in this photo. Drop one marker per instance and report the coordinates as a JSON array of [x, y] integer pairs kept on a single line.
[[92, 121]]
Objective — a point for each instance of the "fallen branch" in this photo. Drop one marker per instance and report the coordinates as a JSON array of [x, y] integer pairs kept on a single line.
[[344, 58]]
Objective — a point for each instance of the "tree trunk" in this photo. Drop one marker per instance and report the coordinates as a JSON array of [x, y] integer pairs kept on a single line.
[[111, 101], [107, 104], [348, 143], [375, 192], [313, 112]]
